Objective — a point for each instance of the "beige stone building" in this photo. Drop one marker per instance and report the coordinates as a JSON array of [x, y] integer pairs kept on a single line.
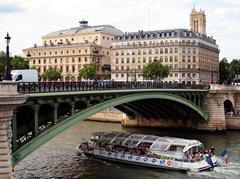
[[191, 55], [69, 49]]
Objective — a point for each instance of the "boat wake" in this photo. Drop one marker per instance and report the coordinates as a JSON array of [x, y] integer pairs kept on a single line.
[[226, 171]]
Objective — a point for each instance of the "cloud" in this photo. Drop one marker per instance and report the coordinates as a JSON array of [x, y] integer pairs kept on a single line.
[[28, 20]]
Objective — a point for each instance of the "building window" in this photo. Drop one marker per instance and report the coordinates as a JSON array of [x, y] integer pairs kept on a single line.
[[116, 60], [133, 60], [161, 59], [103, 37], [116, 75], [149, 59], [176, 59], [139, 52], [161, 51], [156, 51], [144, 59], [183, 74], [175, 75], [55, 60], [183, 58], [194, 75], [61, 52], [176, 50], [194, 58], [85, 50], [73, 60], [128, 60], [56, 53], [122, 67], [73, 68], [44, 61], [150, 51], [67, 69], [73, 51], [189, 50], [171, 50], [171, 59], [122, 60], [79, 59], [116, 68], [183, 50], [189, 59], [33, 61], [194, 50], [67, 51], [188, 66], [166, 58], [166, 50], [85, 59], [122, 75]]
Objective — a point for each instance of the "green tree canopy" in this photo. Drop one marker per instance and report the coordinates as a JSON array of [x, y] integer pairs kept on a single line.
[[52, 74], [155, 71], [19, 62], [88, 71], [234, 68], [224, 71]]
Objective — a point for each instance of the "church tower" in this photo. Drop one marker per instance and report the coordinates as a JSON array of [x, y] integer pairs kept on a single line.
[[198, 21]]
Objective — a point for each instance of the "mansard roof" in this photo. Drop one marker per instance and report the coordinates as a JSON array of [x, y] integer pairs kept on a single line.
[[86, 29], [170, 33]]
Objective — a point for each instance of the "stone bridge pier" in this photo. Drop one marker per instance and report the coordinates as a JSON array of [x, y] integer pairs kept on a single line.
[[9, 99]]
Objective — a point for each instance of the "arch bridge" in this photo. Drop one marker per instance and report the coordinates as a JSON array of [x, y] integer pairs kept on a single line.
[[49, 110]]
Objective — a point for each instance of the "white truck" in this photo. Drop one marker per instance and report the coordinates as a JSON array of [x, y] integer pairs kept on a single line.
[[26, 75]]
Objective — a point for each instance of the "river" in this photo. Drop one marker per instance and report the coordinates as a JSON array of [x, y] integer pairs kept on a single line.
[[58, 159]]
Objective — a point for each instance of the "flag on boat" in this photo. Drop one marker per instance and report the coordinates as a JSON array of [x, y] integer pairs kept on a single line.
[[209, 161], [224, 156]]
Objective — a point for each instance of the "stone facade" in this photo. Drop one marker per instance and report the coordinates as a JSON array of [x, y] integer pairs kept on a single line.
[[69, 49], [191, 55], [9, 99]]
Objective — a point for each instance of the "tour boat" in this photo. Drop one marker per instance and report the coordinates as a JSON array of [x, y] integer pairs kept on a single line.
[[150, 151]]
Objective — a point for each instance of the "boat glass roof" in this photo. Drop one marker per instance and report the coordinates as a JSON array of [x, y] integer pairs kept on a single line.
[[157, 143]]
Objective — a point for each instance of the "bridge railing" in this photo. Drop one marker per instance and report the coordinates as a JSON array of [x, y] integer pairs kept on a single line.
[[43, 87]]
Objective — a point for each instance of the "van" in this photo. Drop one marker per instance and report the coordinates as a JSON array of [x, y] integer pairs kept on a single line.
[[27, 75]]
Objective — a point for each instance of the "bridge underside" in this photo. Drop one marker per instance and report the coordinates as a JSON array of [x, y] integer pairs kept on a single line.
[[159, 109]]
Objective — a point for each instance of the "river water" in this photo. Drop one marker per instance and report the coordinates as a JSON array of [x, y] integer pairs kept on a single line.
[[58, 157]]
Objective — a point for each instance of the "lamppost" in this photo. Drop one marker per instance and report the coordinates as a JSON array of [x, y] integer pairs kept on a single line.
[[7, 68]]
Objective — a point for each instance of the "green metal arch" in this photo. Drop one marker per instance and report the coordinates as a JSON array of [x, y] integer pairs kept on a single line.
[[32, 145]]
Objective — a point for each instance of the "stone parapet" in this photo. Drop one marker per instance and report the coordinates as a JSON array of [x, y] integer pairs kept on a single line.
[[233, 123], [9, 99]]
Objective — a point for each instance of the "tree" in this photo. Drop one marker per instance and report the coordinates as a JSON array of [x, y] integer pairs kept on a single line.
[[19, 62], [107, 75], [155, 71], [88, 71], [234, 68], [52, 74], [224, 71]]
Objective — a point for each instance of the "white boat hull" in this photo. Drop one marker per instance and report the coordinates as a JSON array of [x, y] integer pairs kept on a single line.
[[171, 164]]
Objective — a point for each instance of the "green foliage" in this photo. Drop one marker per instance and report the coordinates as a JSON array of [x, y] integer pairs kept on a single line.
[[234, 68], [155, 71], [88, 71], [228, 70], [52, 74], [107, 75], [224, 72], [19, 62]]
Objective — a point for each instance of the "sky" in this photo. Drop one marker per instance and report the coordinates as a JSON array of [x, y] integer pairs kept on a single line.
[[28, 20]]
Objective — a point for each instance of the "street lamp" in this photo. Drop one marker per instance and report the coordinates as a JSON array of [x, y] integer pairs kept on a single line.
[[7, 68]]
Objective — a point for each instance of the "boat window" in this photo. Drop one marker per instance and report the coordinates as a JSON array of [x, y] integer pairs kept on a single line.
[[160, 145]]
